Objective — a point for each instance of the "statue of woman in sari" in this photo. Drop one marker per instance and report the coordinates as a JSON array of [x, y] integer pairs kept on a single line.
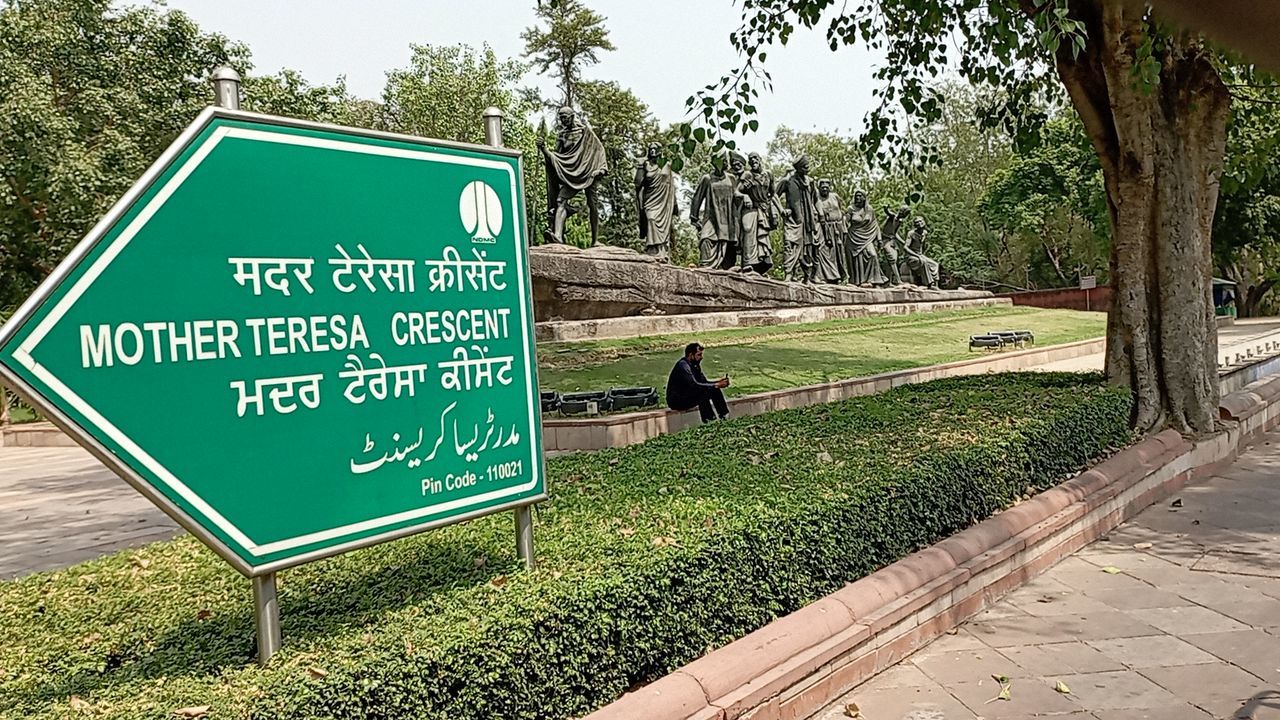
[[831, 253], [759, 215], [656, 198], [863, 233], [715, 213]]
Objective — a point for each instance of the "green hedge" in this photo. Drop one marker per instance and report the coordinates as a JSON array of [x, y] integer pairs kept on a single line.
[[650, 556]]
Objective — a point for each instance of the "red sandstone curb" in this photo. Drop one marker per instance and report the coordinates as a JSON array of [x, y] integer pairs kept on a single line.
[[798, 663]]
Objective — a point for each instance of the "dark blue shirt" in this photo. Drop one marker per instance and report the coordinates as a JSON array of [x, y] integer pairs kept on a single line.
[[687, 386]]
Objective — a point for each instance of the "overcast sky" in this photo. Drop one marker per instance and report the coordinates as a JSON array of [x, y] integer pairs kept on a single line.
[[667, 49]]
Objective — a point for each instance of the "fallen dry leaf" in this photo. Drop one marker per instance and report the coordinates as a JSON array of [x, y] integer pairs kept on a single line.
[[78, 704], [1177, 502], [825, 457], [663, 541], [1142, 546], [317, 672], [1062, 688], [140, 562], [1006, 689], [480, 562], [852, 710], [204, 614], [1112, 570], [195, 711], [498, 581], [626, 531]]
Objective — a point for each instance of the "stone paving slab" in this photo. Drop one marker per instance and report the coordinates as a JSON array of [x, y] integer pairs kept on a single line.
[[1173, 616], [60, 506]]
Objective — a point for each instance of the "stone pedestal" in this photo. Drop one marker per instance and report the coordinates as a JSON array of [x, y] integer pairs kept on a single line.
[[604, 282]]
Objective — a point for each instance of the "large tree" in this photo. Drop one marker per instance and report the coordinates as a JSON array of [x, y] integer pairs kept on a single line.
[[571, 38], [443, 93], [89, 96], [831, 156], [1152, 102], [625, 127], [1246, 233], [91, 93], [1049, 208]]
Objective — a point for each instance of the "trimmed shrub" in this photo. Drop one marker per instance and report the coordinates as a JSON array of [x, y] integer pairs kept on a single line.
[[649, 556]]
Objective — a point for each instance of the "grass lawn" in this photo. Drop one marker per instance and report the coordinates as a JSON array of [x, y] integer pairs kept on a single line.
[[773, 358], [648, 556]]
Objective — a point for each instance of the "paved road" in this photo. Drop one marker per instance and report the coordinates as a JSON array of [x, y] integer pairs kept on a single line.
[[60, 506], [1188, 629], [1232, 339]]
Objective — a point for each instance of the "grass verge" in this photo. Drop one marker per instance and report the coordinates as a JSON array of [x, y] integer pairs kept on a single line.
[[649, 556], [773, 358]]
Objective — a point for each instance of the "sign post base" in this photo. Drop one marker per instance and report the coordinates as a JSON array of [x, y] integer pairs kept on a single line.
[[266, 615], [524, 535]]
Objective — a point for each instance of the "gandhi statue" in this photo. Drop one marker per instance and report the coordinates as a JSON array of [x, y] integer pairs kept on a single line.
[[575, 165]]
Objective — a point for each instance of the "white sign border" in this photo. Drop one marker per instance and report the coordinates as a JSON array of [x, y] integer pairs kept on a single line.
[[24, 354]]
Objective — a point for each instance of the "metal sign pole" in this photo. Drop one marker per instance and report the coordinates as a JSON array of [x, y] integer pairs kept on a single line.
[[524, 513], [266, 604], [266, 615]]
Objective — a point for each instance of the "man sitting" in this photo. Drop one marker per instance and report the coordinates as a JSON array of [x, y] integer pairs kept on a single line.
[[688, 388]]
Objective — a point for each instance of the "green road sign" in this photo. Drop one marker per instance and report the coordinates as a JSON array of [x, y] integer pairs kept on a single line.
[[299, 339]]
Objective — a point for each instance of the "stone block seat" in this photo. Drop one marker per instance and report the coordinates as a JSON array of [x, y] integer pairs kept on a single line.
[[985, 342], [576, 403], [550, 401], [633, 397]]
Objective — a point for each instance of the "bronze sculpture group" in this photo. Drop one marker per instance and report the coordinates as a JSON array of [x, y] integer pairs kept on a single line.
[[738, 204], [735, 209]]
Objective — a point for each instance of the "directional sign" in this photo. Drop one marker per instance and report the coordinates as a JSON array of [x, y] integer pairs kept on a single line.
[[299, 339]]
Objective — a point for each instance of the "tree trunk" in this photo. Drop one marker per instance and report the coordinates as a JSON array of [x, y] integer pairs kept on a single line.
[[1252, 306], [1161, 148]]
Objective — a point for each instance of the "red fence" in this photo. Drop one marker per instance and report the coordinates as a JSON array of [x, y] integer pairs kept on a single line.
[[1097, 299]]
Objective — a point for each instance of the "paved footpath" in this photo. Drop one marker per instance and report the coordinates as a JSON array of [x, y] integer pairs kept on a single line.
[[60, 506], [1244, 335], [1174, 616]]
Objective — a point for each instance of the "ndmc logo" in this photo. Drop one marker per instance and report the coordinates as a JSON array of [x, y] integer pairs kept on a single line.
[[481, 212]]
